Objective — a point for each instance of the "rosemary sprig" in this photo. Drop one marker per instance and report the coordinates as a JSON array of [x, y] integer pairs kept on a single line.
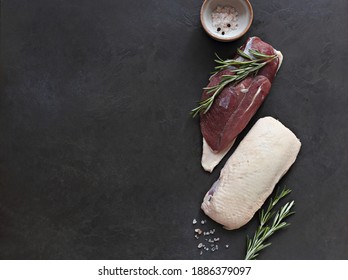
[[264, 231], [256, 58], [240, 70]]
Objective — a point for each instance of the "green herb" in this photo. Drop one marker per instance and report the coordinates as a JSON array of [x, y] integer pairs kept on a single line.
[[264, 231], [240, 70]]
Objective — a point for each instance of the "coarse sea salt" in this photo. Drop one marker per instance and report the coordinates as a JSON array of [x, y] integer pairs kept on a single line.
[[225, 19]]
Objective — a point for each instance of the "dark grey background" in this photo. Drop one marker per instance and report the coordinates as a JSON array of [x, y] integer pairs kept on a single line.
[[99, 158]]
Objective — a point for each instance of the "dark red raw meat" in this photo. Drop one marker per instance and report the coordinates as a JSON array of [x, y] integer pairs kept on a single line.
[[236, 104]]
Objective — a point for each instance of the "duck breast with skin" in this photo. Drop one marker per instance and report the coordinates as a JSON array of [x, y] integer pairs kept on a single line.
[[250, 174]]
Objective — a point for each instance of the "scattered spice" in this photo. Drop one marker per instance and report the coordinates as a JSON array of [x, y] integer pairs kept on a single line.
[[204, 245]]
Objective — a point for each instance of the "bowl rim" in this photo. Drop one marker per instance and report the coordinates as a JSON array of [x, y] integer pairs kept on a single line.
[[227, 39]]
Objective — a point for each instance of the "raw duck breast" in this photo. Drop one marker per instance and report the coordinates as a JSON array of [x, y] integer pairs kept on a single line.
[[250, 174], [235, 105]]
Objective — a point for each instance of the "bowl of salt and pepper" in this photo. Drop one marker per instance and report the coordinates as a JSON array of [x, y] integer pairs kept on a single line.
[[226, 20]]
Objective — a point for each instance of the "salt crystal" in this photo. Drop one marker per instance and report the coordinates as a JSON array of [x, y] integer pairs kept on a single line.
[[200, 245], [194, 221], [227, 246], [198, 230]]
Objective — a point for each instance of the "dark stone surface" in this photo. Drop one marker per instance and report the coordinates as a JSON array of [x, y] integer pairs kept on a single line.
[[99, 158]]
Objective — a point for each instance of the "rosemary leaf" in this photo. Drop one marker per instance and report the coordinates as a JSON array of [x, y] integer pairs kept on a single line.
[[243, 54], [260, 55], [264, 231]]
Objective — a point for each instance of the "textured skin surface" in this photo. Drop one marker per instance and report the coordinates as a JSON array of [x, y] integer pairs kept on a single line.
[[250, 174], [99, 157], [236, 104]]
